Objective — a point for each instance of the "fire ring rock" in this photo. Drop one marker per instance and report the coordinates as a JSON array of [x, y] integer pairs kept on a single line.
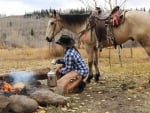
[[4, 101], [45, 97], [22, 104]]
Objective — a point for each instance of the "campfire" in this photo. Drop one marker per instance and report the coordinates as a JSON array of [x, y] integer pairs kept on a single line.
[[18, 83], [8, 88], [23, 91]]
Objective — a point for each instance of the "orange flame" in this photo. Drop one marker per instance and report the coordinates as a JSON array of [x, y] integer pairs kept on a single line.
[[7, 87]]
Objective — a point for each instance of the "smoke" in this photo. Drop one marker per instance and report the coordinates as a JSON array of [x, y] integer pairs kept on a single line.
[[22, 76]]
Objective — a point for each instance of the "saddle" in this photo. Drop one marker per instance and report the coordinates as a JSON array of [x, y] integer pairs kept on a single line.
[[101, 21], [113, 16]]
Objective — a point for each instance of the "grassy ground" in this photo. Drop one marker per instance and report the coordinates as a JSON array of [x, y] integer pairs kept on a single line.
[[40, 57], [123, 89]]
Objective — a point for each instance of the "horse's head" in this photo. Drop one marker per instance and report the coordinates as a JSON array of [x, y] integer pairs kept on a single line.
[[54, 27]]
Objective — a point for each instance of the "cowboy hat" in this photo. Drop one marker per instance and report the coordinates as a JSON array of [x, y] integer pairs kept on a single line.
[[65, 40]]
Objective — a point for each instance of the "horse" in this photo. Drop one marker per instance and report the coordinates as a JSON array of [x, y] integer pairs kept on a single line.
[[77, 24], [136, 26]]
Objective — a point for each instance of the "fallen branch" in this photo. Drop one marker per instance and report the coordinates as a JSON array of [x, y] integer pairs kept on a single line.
[[39, 74]]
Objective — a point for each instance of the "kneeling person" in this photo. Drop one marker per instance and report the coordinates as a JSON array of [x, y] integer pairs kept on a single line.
[[74, 69]]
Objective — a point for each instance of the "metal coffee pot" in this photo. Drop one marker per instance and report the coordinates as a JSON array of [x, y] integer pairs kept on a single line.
[[52, 79]]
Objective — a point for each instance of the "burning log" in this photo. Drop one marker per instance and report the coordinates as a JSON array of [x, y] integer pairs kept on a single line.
[[9, 82], [39, 74], [6, 87]]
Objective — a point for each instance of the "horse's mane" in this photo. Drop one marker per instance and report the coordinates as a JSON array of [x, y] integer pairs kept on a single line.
[[74, 18]]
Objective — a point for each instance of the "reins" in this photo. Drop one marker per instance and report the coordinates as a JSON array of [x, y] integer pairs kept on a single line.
[[88, 27], [57, 23]]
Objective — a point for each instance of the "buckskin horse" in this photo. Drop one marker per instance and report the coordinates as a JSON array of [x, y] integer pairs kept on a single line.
[[75, 23], [133, 25]]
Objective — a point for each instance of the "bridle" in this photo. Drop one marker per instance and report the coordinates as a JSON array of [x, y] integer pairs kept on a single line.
[[56, 22]]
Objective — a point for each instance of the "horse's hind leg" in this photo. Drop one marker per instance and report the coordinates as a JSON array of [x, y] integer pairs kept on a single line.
[[144, 40], [147, 45], [97, 73]]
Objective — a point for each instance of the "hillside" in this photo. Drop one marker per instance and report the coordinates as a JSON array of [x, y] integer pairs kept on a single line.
[[17, 31]]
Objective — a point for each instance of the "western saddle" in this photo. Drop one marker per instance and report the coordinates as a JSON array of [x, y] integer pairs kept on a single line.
[[103, 22]]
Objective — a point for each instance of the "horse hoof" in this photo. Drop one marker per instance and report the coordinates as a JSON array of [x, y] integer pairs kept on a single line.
[[88, 80], [97, 77]]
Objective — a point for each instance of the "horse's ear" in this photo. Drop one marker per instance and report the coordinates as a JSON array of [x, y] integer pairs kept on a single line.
[[54, 13]]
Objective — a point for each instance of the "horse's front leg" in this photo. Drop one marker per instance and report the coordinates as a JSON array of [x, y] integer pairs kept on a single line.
[[97, 73], [89, 51]]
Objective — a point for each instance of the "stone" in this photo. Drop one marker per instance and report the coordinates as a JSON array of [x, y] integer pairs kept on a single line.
[[45, 97], [4, 101], [22, 104]]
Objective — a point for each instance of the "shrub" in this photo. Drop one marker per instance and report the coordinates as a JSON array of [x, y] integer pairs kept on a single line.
[[32, 32]]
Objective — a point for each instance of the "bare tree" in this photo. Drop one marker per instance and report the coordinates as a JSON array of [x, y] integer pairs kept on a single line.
[[88, 3], [105, 4]]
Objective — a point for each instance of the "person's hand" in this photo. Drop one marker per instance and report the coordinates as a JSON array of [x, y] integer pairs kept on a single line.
[[60, 61], [58, 71]]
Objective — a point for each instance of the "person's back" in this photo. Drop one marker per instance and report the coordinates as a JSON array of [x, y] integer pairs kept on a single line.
[[74, 61]]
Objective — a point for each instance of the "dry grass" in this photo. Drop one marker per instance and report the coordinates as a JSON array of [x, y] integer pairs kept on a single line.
[[57, 51], [135, 72], [126, 52], [30, 53], [27, 58], [23, 54]]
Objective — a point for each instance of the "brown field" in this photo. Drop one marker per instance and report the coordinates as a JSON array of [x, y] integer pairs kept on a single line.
[[26, 58], [120, 89]]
